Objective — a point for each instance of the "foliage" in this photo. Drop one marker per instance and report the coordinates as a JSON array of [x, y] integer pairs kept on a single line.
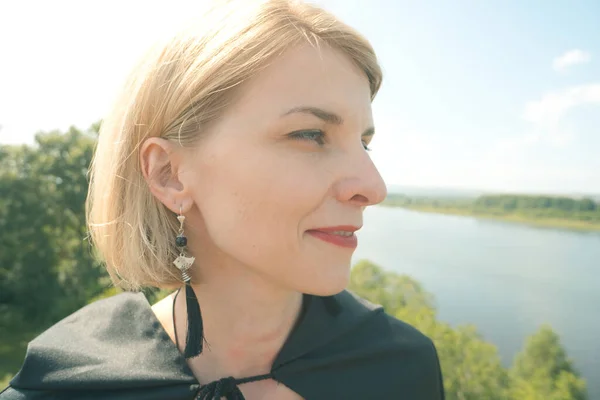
[[394, 292], [471, 366], [543, 371], [43, 245], [557, 211]]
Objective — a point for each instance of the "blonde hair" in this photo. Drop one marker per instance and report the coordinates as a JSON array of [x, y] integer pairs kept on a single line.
[[176, 91]]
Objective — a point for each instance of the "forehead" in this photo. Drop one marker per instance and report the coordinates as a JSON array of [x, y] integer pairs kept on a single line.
[[308, 76]]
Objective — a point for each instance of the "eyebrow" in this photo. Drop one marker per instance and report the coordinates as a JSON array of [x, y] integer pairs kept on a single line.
[[327, 116]]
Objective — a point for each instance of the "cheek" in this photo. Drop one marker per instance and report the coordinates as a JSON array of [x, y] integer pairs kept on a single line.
[[256, 209]]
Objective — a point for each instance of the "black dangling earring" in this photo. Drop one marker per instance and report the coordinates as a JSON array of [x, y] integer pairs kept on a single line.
[[195, 330]]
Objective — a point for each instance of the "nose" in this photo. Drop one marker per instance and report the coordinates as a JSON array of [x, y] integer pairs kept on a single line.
[[361, 183]]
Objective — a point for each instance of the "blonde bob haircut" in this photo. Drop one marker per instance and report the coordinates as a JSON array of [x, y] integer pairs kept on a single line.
[[177, 90]]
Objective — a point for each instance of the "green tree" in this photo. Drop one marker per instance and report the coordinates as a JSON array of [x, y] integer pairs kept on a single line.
[[27, 245], [46, 266], [392, 291], [587, 204], [471, 366], [543, 370]]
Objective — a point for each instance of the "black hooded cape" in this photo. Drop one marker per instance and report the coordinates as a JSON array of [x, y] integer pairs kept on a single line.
[[117, 349]]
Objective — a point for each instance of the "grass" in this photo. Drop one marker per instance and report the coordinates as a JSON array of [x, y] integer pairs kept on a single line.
[[548, 222], [13, 346]]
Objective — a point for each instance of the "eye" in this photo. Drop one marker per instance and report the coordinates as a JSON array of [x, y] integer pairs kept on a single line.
[[314, 135], [366, 146]]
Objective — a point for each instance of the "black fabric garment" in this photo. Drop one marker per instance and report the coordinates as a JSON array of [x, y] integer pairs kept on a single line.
[[117, 349]]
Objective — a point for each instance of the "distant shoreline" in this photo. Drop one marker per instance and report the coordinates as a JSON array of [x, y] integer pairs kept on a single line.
[[558, 223]]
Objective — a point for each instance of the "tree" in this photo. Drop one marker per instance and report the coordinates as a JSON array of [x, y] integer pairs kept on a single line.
[[543, 370], [471, 366], [587, 204], [46, 266], [64, 159], [392, 291], [27, 246]]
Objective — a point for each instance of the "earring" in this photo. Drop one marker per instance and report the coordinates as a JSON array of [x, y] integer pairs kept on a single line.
[[195, 329], [183, 263]]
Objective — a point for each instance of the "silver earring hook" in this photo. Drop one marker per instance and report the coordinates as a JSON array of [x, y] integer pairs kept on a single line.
[[181, 219]]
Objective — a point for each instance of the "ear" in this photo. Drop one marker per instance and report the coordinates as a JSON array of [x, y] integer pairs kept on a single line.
[[160, 161]]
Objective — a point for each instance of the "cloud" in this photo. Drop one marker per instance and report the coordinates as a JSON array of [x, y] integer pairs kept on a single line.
[[545, 116], [570, 58], [552, 107]]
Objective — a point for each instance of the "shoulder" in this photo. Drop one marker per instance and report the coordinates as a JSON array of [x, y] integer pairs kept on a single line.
[[375, 326], [398, 359], [359, 352], [382, 329], [98, 320], [86, 350]]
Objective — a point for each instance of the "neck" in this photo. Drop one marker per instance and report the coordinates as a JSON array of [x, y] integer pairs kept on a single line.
[[246, 318]]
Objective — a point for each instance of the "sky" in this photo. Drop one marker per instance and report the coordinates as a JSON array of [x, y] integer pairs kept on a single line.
[[498, 95]]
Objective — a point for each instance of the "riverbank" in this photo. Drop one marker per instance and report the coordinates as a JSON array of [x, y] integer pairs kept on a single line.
[[558, 223]]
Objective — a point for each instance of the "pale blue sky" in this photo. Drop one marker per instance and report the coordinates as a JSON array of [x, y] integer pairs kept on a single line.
[[501, 95]]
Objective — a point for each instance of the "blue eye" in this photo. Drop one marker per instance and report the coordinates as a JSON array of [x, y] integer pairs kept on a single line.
[[315, 135], [318, 136]]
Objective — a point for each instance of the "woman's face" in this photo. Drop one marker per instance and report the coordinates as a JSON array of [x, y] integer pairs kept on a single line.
[[283, 168]]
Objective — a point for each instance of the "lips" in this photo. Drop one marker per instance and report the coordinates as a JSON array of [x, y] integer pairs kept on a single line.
[[342, 236]]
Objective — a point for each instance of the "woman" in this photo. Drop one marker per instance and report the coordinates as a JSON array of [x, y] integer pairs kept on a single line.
[[235, 166]]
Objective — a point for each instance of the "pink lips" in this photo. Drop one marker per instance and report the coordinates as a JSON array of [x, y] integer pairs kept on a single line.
[[342, 235]]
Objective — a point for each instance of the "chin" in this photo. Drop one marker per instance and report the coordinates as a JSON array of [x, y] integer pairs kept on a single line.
[[327, 284]]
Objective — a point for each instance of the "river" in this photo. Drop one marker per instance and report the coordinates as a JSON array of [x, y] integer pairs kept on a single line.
[[507, 279]]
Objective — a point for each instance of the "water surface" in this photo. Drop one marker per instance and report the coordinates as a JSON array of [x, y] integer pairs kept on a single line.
[[507, 279]]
